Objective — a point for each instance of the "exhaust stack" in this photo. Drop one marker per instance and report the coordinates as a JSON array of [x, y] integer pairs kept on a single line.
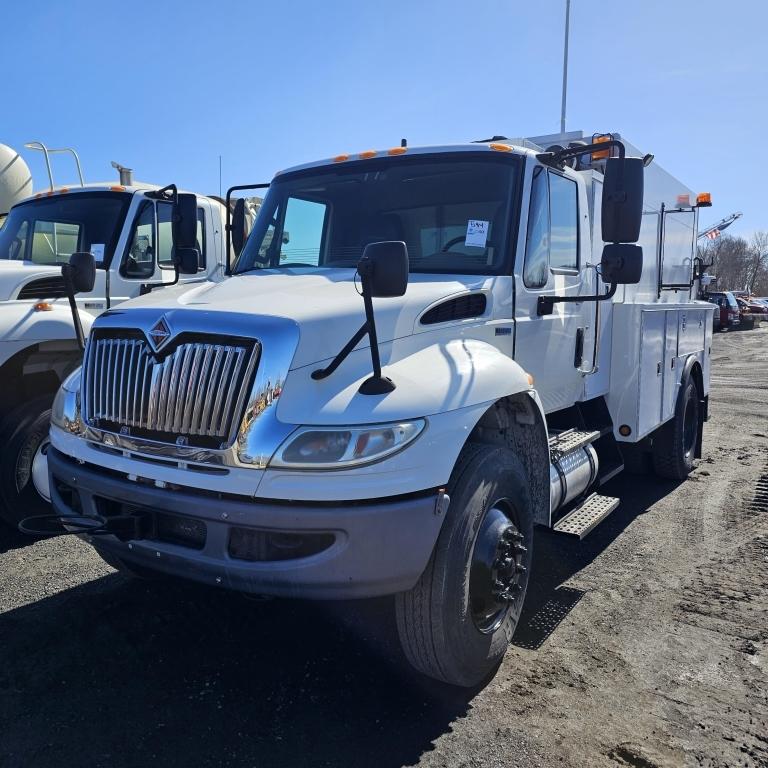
[[126, 174]]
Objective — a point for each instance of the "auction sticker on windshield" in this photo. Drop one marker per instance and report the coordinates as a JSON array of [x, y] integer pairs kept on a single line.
[[477, 233]]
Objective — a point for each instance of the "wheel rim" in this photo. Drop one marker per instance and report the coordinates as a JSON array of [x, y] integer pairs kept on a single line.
[[690, 426], [496, 569], [40, 470]]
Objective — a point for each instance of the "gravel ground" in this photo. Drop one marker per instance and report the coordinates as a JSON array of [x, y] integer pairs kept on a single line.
[[645, 645]]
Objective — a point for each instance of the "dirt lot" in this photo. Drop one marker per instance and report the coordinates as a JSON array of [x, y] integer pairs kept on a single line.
[[645, 645]]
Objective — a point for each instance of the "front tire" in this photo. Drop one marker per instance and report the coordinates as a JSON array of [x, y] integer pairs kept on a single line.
[[456, 623], [23, 437], [675, 444]]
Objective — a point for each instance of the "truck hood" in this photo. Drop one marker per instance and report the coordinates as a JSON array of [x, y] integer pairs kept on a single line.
[[15, 274], [325, 304]]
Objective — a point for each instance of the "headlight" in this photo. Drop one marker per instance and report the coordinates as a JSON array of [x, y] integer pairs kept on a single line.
[[338, 447], [65, 413]]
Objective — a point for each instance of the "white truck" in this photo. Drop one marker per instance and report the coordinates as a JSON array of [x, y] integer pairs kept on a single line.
[[126, 227], [507, 364]]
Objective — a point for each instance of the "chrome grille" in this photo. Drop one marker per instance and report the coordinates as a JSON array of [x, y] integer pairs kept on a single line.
[[196, 390]]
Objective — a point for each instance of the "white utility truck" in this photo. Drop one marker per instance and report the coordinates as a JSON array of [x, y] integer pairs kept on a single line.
[[126, 227], [507, 364]]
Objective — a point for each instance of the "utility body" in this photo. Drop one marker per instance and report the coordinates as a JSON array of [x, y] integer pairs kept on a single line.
[[508, 364], [127, 229]]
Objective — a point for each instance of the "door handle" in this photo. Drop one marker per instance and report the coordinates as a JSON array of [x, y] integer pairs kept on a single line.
[[578, 357]]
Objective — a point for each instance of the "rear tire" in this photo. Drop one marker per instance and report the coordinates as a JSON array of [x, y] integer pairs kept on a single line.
[[675, 444], [456, 623], [23, 432]]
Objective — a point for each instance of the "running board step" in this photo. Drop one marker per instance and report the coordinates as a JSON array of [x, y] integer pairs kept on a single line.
[[581, 520], [570, 440]]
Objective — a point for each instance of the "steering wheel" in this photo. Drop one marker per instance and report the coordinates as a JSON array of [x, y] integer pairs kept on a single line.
[[456, 240]]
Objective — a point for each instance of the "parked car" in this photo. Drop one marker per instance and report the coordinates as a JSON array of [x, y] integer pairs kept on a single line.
[[730, 317], [759, 309]]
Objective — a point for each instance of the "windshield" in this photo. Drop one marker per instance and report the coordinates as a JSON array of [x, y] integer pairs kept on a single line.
[[49, 230], [452, 212]]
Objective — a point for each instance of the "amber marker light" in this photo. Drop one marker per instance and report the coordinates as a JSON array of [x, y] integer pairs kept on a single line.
[[704, 199], [397, 151], [341, 158], [500, 147], [43, 306], [368, 154]]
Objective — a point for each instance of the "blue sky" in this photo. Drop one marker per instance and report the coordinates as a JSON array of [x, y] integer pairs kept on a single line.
[[165, 87]]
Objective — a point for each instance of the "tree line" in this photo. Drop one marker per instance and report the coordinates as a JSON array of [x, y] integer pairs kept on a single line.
[[738, 263]]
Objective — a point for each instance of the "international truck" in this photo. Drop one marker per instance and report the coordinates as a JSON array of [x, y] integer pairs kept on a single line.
[[126, 226], [457, 344]]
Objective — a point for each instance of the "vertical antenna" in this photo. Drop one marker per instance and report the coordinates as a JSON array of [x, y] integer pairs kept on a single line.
[[219, 175], [565, 64]]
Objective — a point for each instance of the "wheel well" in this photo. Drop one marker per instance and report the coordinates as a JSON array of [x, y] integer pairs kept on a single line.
[[517, 423], [37, 370]]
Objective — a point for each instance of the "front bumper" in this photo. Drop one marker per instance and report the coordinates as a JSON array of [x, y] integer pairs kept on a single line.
[[377, 547]]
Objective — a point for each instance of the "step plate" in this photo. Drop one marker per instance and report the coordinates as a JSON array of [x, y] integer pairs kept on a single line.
[[570, 440], [581, 520]]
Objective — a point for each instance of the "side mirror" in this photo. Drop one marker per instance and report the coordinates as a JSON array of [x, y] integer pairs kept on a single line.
[[80, 272], [384, 268], [622, 209], [185, 221], [238, 226], [622, 264], [187, 260]]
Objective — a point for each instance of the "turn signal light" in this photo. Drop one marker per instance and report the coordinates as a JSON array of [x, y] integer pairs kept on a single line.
[[43, 306], [704, 199]]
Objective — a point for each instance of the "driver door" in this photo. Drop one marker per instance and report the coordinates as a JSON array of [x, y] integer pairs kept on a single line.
[[553, 348]]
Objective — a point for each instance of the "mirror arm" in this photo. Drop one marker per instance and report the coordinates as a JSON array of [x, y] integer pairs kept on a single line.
[[324, 373], [546, 304], [66, 273]]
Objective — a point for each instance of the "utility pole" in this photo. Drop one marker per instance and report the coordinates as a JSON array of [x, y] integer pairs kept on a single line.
[[565, 64]]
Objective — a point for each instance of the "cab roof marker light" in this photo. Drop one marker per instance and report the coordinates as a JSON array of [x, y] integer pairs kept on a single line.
[[117, 188], [368, 154], [397, 151], [500, 147], [340, 158]]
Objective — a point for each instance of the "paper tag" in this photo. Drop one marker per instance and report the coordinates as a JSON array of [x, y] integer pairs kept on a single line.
[[477, 233], [97, 249]]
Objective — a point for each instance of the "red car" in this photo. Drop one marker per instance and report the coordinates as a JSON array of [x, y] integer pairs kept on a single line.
[[730, 316]]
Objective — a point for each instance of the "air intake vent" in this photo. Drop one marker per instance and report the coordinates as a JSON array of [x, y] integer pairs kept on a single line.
[[461, 308], [44, 288]]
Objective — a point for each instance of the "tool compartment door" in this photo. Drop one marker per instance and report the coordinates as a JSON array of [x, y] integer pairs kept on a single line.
[[672, 364], [650, 380]]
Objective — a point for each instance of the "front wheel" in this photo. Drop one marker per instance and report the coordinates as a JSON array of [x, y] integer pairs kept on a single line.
[[456, 623], [23, 465]]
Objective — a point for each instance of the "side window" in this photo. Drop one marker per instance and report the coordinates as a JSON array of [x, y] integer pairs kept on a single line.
[[201, 237], [165, 235], [303, 229], [535, 271], [140, 259], [18, 246], [563, 206]]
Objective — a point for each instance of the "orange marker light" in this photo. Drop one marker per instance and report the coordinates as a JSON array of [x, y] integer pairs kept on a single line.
[[117, 188], [683, 200], [530, 379], [603, 154], [43, 306], [397, 151], [368, 154], [704, 199], [500, 147], [340, 158]]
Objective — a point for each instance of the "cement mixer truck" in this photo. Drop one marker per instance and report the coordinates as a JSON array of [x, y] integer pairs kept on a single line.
[[126, 226]]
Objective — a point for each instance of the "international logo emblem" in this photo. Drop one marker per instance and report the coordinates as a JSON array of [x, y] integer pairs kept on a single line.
[[159, 334]]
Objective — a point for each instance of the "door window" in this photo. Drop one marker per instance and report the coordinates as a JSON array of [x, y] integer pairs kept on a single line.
[[536, 270], [564, 230], [140, 259], [302, 235]]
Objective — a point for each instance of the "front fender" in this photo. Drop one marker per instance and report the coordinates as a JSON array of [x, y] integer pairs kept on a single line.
[[432, 376], [21, 322]]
